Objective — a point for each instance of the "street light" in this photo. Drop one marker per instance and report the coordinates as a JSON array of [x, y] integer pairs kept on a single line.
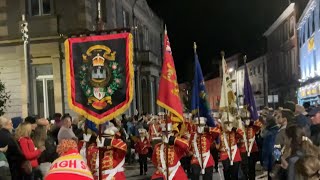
[[27, 64], [230, 70]]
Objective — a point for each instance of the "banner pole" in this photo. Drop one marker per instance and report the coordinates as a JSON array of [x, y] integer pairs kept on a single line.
[[198, 113], [167, 148], [100, 154]]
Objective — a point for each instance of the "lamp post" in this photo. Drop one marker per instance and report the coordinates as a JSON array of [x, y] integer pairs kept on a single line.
[[27, 65], [135, 44]]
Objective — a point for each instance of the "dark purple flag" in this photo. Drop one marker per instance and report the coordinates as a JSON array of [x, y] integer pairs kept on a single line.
[[248, 96]]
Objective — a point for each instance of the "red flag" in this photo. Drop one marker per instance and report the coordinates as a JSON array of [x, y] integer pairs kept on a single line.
[[168, 96]]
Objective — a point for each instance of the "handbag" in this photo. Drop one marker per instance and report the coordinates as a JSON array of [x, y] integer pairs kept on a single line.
[[26, 167]]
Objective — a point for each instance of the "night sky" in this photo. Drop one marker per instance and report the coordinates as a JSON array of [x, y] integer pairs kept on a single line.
[[235, 26]]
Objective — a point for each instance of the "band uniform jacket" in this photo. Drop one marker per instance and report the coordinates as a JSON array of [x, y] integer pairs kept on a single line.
[[206, 140], [250, 131], [175, 153], [232, 138], [92, 156], [154, 131], [142, 146], [113, 159]]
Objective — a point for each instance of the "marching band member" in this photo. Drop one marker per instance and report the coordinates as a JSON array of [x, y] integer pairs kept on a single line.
[[169, 152], [142, 147], [200, 141], [93, 156], [229, 152], [114, 154], [154, 129], [248, 146]]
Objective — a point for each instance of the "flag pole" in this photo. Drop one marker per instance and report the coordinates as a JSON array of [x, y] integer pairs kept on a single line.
[[167, 147], [198, 114], [167, 132], [227, 106]]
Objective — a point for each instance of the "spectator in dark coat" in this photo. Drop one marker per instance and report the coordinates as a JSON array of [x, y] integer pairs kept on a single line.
[[14, 154], [314, 115], [302, 120], [269, 136]]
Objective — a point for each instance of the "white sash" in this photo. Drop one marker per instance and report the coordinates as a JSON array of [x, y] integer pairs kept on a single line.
[[83, 152], [173, 170], [162, 160], [251, 141], [226, 144], [206, 156], [234, 151], [196, 150], [245, 140], [154, 129], [112, 172]]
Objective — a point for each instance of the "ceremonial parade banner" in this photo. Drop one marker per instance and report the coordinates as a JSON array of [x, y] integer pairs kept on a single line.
[[99, 75], [168, 96]]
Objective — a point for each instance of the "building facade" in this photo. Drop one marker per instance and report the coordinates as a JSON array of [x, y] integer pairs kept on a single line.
[[257, 71], [309, 43], [282, 56], [48, 22]]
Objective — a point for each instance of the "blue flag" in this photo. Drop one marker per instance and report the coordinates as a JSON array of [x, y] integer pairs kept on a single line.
[[199, 95], [248, 100], [92, 126]]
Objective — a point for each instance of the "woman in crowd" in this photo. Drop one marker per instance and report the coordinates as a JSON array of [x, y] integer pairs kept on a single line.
[[13, 154], [42, 137], [298, 150], [30, 152]]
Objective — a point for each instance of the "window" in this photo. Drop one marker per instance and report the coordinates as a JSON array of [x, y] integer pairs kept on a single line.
[[293, 57], [260, 87], [300, 37], [40, 7], [250, 71], [291, 30], [126, 19], [313, 18], [254, 70], [285, 31], [141, 36], [259, 67], [146, 37], [305, 32], [309, 22]]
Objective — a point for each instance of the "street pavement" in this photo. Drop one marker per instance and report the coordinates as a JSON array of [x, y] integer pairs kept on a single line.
[[132, 172]]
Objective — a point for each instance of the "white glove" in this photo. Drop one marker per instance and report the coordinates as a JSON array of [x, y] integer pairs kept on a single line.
[[165, 139], [247, 122], [86, 137], [229, 128], [132, 151], [200, 129], [100, 143], [188, 135]]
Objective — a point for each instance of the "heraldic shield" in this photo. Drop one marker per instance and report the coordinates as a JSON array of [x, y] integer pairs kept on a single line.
[[99, 73]]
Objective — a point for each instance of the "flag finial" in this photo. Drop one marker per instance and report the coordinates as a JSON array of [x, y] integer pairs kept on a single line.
[[195, 46], [245, 58], [222, 54], [165, 29]]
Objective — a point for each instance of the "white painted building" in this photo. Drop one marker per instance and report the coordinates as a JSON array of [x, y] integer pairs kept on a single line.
[[257, 70]]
